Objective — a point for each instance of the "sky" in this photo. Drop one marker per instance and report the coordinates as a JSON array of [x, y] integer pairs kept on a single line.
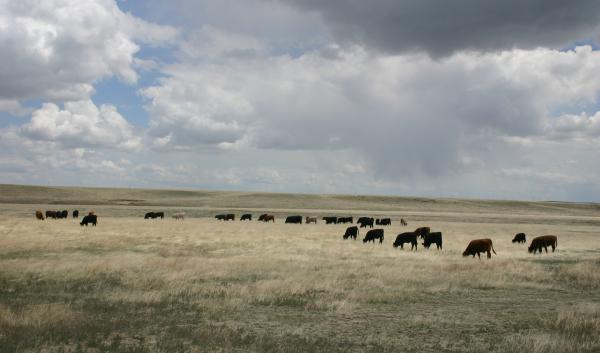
[[469, 98]]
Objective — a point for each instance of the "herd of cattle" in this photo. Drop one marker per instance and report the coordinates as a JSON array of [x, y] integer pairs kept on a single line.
[[475, 247]]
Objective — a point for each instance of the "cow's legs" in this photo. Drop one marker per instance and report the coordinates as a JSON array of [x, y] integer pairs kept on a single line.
[[479, 256], [489, 254], [545, 248]]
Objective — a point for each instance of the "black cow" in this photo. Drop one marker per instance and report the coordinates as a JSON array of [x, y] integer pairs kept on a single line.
[[433, 238], [51, 214], [351, 232], [230, 217], [294, 219], [422, 231], [220, 217], [62, 214], [344, 220], [246, 217], [408, 237], [366, 221], [330, 220], [374, 234], [154, 215], [91, 218], [76, 214], [383, 221], [519, 238]]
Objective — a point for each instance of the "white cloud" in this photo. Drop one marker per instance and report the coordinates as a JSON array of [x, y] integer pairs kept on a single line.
[[57, 49], [82, 123]]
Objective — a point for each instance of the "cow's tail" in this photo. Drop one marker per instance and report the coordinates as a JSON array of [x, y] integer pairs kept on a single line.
[[492, 245]]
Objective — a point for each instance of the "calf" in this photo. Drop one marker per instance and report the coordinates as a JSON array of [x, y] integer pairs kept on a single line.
[[351, 232], [543, 241], [91, 218], [519, 238], [433, 238], [310, 220], [478, 246], [39, 215], [403, 222], [408, 237], [374, 234]]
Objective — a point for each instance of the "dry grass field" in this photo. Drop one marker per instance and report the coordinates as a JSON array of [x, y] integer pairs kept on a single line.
[[201, 285]]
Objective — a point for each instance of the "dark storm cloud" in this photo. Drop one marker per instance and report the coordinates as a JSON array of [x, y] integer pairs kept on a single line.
[[443, 27]]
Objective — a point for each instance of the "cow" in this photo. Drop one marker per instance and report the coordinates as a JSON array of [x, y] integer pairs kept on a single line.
[[478, 246], [179, 216], [519, 238], [154, 215], [330, 220], [374, 234], [246, 217], [366, 221], [76, 214], [62, 214], [51, 214], [294, 219], [310, 220], [343, 220], [383, 221], [220, 217], [403, 222], [543, 241], [433, 238], [90, 218], [351, 232], [262, 217], [407, 237], [39, 215], [422, 231], [269, 218], [230, 217]]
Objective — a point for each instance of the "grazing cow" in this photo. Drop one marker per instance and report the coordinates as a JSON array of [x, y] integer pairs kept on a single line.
[[230, 217], [91, 218], [246, 217], [294, 219], [76, 214], [403, 222], [310, 220], [543, 241], [422, 231], [154, 215], [220, 217], [351, 232], [39, 215], [51, 214], [433, 238], [478, 246], [383, 221], [62, 214], [330, 220], [343, 220], [408, 237], [374, 234], [269, 218], [366, 221], [519, 238], [262, 217]]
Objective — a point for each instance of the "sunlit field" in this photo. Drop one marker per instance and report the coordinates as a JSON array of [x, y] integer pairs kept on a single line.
[[202, 285]]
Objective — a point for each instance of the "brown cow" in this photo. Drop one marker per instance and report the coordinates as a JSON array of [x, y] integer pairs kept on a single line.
[[39, 215], [478, 246], [269, 218], [311, 220], [543, 242]]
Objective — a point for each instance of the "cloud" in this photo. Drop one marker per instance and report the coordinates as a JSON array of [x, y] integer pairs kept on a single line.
[[82, 124], [442, 29], [57, 49]]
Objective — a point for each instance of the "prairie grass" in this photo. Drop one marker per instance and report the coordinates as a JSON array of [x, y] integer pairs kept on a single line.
[[200, 285]]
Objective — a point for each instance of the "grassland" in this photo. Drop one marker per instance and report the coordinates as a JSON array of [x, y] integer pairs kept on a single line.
[[201, 285]]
